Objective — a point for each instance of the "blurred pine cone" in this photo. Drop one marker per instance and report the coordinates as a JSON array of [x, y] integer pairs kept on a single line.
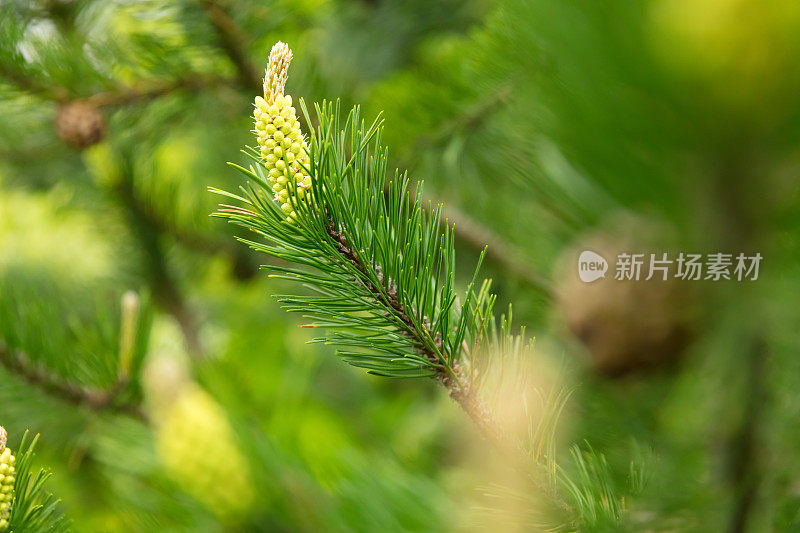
[[627, 326], [197, 447], [80, 124]]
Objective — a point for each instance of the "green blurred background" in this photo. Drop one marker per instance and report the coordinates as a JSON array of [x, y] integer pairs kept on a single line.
[[546, 127]]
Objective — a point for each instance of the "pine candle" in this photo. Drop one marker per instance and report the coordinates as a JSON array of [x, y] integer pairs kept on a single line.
[[283, 147]]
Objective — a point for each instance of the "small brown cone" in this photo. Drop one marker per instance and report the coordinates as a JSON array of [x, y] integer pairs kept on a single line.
[[80, 124]]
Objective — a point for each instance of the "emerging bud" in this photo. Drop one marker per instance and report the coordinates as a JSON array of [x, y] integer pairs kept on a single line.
[[277, 70], [283, 147]]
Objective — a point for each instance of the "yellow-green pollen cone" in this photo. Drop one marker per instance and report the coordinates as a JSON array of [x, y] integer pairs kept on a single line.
[[283, 147], [197, 446], [7, 476]]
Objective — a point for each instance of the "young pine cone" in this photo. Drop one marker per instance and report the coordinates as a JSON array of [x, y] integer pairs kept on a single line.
[[6, 482], [197, 448], [80, 124], [283, 147]]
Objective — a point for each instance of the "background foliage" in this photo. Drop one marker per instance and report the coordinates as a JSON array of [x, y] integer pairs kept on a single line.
[[546, 127]]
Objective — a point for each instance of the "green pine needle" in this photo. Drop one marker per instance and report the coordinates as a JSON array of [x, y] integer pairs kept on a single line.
[[378, 265], [34, 510]]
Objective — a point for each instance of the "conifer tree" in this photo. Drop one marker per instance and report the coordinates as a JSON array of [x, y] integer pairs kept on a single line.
[[170, 393]]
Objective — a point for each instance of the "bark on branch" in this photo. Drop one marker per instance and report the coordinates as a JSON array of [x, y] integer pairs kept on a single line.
[[94, 398]]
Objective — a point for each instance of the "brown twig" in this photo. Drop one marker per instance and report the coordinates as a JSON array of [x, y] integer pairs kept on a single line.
[[152, 90], [94, 398], [497, 249]]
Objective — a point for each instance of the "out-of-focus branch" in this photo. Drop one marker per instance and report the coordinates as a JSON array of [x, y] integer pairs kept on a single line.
[[153, 90], [145, 91], [473, 117], [232, 42], [744, 456], [121, 96], [244, 267], [469, 230], [497, 249], [737, 208], [163, 285], [93, 398]]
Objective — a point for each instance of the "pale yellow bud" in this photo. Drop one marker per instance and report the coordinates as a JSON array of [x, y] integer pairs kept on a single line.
[[283, 147]]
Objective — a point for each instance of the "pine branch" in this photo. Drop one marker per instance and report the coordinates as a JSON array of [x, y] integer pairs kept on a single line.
[[471, 231], [381, 259], [94, 398], [453, 379], [380, 268]]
